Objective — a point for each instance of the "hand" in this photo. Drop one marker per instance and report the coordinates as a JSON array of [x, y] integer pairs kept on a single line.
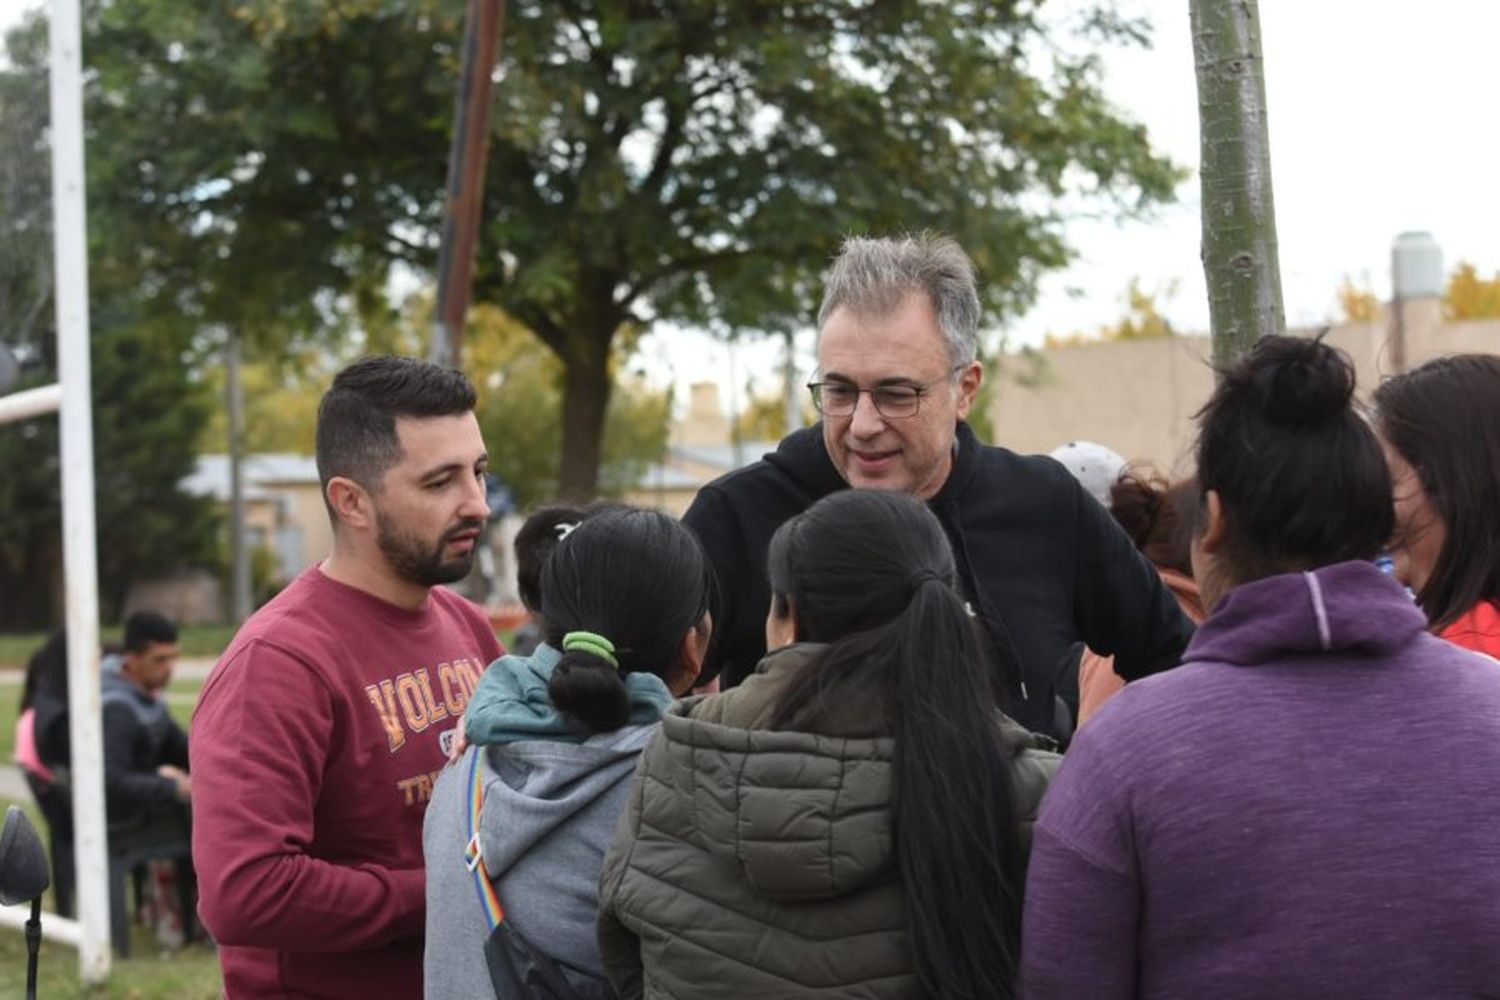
[[180, 778], [460, 743]]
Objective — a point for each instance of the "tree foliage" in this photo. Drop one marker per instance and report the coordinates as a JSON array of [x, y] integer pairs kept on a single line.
[[1358, 303], [697, 160], [1141, 320], [520, 399], [146, 410], [1471, 296], [520, 412]]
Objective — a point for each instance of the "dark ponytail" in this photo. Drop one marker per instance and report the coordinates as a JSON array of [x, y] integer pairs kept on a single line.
[[871, 574], [638, 580]]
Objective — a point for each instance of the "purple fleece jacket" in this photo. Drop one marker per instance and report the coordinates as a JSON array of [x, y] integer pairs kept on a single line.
[[1308, 807]]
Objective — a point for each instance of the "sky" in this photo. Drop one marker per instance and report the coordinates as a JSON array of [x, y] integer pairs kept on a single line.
[[1378, 125]]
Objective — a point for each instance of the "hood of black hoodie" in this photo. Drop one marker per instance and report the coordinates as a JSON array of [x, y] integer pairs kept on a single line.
[[802, 457]]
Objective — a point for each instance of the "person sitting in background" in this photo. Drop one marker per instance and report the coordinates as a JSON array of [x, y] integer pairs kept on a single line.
[[1306, 807], [146, 783], [554, 738], [43, 751], [853, 819], [1158, 519], [145, 750], [1440, 426]]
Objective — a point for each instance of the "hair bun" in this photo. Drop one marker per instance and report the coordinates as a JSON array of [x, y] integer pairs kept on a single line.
[[1295, 381]]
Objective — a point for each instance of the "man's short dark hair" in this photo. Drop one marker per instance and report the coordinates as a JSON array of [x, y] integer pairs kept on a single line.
[[356, 436], [145, 627]]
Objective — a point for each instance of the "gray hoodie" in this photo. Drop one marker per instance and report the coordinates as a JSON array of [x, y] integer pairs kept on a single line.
[[550, 809]]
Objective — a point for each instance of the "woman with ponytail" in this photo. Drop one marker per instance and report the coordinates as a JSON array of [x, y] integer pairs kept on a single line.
[[1306, 807], [553, 740], [853, 819]]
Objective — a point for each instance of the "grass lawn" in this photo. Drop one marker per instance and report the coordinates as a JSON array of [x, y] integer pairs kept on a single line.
[[190, 974], [10, 699], [148, 974], [196, 641]]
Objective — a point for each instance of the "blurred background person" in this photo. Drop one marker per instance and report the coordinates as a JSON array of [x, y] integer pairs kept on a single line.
[[1158, 518], [1440, 427]]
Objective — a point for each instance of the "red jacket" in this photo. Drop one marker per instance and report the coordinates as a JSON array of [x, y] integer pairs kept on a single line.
[[1478, 629], [314, 749]]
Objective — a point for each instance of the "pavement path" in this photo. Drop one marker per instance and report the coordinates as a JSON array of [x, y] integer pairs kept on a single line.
[[13, 784]]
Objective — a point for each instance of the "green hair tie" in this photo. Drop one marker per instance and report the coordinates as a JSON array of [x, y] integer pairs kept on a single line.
[[591, 642]]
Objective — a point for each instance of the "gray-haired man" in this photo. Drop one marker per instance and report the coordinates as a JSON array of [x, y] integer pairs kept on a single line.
[[1043, 565]]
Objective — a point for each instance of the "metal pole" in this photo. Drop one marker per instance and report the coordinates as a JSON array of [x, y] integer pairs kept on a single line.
[[30, 403], [1398, 334], [80, 562], [239, 554], [466, 159], [792, 391]]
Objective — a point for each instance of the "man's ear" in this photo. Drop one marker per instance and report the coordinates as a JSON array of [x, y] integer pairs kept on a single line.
[[969, 381], [350, 502], [1213, 522]]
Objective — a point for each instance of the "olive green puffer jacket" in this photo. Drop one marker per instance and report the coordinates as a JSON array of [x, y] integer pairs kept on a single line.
[[755, 864]]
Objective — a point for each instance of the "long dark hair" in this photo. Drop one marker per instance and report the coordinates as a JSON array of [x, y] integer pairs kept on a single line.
[[639, 579], [871, 574], [1299, 472], [1444, 420], [47, 672]]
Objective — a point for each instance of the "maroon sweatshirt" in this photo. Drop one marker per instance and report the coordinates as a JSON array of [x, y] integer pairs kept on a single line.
[[315, 746]]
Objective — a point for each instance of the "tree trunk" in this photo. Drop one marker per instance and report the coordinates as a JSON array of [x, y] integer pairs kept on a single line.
[[586, 389], [1239, 214]]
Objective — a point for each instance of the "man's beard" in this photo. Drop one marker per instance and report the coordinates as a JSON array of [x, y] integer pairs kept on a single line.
[[415, 563]]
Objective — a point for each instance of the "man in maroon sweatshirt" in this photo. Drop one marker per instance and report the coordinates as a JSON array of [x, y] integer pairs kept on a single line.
[[320, 732]]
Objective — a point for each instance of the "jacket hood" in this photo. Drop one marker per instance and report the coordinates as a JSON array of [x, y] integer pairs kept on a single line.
[[533, 788], [801, 816], [802, 457], [1349, 606], [511, 702]]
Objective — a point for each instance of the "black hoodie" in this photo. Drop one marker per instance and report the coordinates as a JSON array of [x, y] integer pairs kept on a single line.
[[1042, 564]]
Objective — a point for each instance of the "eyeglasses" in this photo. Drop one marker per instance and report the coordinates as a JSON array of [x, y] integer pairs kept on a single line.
[[894, 402]]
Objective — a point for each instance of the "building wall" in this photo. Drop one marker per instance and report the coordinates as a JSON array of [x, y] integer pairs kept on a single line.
[[1139, 397], [305, 510], [670, 500]]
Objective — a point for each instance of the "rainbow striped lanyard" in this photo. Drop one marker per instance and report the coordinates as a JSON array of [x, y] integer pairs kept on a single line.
[[489, 899]]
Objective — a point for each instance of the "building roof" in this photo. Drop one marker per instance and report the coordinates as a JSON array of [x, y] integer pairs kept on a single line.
[[669, 475], [211, 476], [721, 456]]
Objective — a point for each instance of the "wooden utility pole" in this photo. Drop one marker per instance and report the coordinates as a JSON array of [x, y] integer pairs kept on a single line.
[[466, 160], [1239, 214]]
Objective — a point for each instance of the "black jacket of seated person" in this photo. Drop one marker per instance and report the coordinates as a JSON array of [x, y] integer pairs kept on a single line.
[[140, 735]]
